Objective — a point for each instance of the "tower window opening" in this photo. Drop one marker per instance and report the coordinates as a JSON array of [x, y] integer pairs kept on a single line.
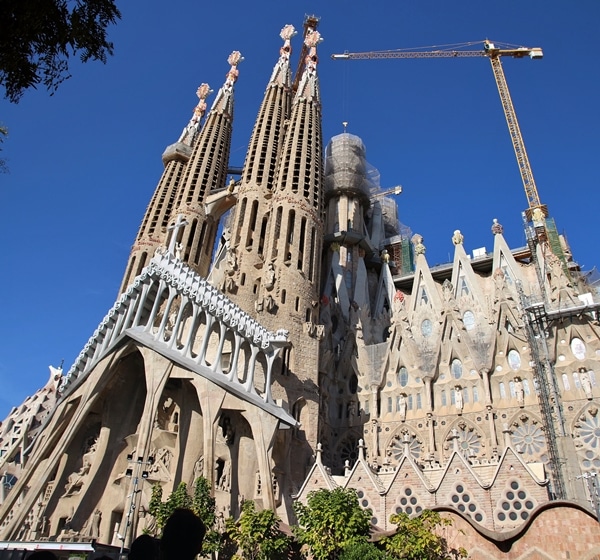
[[282, 296], [142, 263], [263, 232]]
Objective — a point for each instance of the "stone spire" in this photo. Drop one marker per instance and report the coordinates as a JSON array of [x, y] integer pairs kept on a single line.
[[153, 228], [206, 172], [291, 283], [252, 213]]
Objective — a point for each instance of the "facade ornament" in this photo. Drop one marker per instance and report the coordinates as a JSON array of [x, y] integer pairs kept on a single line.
[[417, 241], [335, 247], [193, 126], [458, 237], [385, 256], [537, 216], [497, 227]]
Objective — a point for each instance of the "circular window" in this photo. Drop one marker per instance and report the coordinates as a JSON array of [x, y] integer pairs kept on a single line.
[[426, 327], [403, 376], [456, 368], [469, 320], [514, 360]]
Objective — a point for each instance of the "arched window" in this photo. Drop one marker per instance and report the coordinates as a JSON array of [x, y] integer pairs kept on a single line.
[[443, 395], [502, 390], [514, 360], [565, 380], [578, 348], [456, 368], [403, 376], [469, 320]]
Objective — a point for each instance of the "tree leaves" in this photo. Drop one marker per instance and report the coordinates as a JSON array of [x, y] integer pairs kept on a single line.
[[257, 534], [37, 37], [330, 521]]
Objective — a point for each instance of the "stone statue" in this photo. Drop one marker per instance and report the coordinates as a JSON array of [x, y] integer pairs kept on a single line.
[[586, 383], [458, 399], [519, 392], [402, 406], [76, 479], [270, 276]]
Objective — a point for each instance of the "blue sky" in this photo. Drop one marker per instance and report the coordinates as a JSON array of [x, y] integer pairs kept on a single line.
[[84, 162]]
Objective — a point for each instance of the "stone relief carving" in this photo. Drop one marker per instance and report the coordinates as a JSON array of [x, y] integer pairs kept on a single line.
[[78, 478]]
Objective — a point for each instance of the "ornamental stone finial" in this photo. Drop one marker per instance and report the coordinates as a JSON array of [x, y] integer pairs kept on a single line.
[[458, 237], [417, 241], [234, 60], [497, 227]]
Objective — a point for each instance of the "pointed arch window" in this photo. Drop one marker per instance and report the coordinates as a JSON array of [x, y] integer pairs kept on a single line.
[[424, 298], [443, 396], [475, 395], [463, 287], [419, 401], [526, 388], [506, 270], [565, 380], [410, 402]]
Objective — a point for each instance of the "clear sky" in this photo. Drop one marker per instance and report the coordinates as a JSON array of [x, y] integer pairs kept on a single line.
[[84, 162]]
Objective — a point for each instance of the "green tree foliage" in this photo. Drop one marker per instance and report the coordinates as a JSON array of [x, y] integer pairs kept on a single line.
[[420, 537], [362, 551], [200, 502], [331, 521], [37, 38], [257, 534]]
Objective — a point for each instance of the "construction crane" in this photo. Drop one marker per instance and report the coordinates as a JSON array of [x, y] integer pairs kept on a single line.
[[536, 211]]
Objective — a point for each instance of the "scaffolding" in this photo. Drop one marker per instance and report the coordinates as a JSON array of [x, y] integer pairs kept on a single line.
[[536, 324]]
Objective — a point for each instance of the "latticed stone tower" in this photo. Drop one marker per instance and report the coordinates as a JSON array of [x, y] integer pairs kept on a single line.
[[153, 230]]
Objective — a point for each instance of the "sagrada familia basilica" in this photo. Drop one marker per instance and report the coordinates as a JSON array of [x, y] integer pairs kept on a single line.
[[281, 332]]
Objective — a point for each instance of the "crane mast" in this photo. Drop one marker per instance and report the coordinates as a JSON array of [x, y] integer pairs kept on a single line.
[[536, 209]]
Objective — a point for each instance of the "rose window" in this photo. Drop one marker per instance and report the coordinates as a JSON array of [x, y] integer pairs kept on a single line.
[[529, 439], [469, 443], [587, 439], [396, 448]]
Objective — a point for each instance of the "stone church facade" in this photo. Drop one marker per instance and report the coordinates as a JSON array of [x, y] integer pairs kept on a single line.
[[314, 348]]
